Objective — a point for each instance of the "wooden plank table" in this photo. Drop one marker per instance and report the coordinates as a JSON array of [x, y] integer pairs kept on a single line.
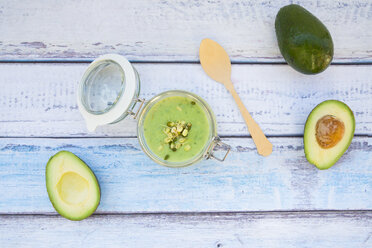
[[247, 201]]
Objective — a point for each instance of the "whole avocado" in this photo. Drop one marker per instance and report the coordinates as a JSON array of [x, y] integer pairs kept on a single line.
[[303, 40]]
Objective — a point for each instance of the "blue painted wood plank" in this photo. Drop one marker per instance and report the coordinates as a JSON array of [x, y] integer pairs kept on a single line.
[[130, 182]]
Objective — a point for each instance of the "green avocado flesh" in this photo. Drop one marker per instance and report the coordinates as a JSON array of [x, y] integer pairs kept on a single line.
[[72, 186], [328, 132], [303, 40], [174, 109]]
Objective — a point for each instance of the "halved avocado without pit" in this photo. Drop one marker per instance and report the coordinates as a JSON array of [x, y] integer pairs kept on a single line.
[[72, 187], [328, 132]]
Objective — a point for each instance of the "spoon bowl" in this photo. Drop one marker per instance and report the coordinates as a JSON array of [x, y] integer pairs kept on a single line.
[[215, 62], [217, 65]]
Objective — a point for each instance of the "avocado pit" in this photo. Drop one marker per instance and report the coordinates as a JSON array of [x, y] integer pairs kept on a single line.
[[329, 131]]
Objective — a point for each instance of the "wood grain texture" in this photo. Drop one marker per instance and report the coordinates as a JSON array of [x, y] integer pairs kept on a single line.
[[307, 230], [131, 183], [39, 99], [144, 204], [148, 30]]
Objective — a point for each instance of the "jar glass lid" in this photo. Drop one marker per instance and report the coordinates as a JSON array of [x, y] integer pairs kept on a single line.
[[106, 90], [103, 87]]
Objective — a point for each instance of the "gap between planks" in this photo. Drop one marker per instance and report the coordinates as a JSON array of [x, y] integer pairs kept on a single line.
[[88, 61], [208, 213], [135, 137]]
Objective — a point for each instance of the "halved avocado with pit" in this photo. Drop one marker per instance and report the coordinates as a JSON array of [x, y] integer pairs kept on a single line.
[[72, 187], [328, 132]]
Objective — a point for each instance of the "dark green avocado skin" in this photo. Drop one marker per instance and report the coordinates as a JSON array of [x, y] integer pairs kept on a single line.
[[303, 40]]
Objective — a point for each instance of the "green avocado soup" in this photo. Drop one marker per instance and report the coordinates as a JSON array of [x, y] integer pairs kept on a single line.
[[176, 128]]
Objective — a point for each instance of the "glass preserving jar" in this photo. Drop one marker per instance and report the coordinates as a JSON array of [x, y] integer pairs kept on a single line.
[[108, 92]]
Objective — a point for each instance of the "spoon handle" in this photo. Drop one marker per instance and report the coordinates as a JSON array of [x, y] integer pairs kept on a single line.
[[264, 147]]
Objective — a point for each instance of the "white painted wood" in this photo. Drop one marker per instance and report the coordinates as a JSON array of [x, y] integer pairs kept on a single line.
[[39, 99], [131, 183], [148, 30], [292, 230]]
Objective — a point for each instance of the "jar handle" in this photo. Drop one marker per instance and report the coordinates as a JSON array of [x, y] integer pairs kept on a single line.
[[217, 142], [135, 114]]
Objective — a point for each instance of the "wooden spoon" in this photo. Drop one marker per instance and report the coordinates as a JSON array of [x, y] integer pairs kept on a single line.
[[216, 63]]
